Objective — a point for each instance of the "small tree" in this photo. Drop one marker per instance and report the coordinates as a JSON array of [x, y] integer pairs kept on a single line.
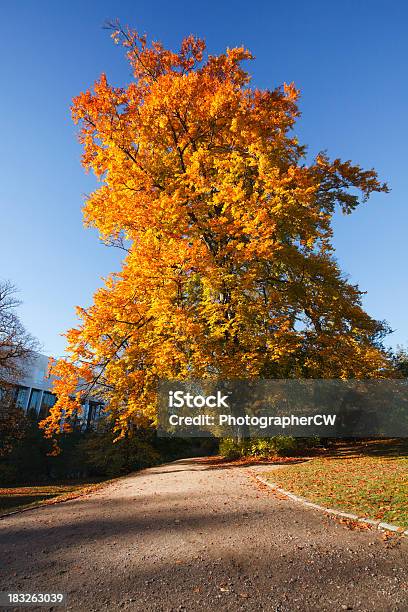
[[400, 361], [17, 348]]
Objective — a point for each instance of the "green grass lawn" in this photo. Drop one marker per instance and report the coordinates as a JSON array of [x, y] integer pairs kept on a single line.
[[367, 479], [18, 497]]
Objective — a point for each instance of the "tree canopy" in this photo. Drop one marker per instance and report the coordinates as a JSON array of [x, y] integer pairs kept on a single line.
[[229, 267]]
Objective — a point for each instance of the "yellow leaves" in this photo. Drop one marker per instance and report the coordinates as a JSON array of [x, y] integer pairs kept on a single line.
[[116, 36], [228, 268], [291, 92]]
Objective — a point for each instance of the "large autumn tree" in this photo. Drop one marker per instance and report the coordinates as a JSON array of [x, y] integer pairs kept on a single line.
[[229, 268]]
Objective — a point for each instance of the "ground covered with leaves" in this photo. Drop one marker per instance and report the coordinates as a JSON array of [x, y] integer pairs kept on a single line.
[[368, 478], [20, 497], [200, 536]]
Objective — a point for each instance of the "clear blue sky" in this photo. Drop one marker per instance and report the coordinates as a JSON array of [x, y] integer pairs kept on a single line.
[[349, 59]]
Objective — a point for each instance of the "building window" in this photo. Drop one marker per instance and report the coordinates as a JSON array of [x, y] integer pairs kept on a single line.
[[48, 400], [94, 413], [21, 397], [34, 403]]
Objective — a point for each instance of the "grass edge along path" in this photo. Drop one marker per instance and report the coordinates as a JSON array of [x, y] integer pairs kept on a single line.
[[351, 520], [369, 486], [47, 499]]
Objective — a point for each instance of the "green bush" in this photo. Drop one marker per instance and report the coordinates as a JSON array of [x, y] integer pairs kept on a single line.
[[260, 447], [103, 457], [8, 473], [27, 457], [173, 448], [81, 454], [232, 449]]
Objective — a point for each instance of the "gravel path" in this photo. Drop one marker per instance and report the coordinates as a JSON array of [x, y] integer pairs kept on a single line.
[[193, 536]]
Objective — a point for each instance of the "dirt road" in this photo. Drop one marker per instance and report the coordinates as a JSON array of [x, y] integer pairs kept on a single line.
[[192, 536]]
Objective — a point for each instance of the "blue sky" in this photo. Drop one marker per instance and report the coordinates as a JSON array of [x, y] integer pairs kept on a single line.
[[348, 58]]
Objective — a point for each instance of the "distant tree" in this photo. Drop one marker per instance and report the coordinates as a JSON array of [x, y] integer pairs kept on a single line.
[[400, 361], [229, 268], [17, 348]]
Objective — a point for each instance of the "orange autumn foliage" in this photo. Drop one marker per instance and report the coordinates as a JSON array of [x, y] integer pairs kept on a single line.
[[229, 267]]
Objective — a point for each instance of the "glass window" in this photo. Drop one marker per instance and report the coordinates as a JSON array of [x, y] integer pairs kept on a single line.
[[48, 400], [21, 397], [94, 413], [34, 403]]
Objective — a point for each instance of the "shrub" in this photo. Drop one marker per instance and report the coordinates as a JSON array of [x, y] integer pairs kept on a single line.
[[173, 448], [82, 454], [259, 447], [27, 457], [230, 449], [103, 457]]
